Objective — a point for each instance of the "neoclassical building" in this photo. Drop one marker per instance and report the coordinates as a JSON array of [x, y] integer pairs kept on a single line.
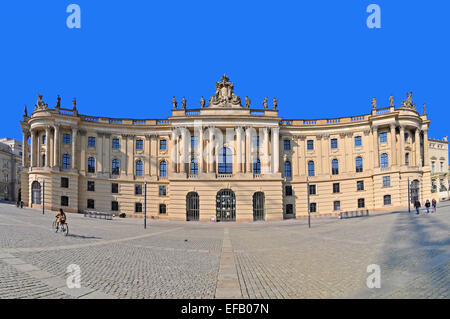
[[225, 161], [438, 153]]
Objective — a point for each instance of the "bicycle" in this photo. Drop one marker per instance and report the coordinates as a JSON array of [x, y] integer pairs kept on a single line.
[[63, 227]]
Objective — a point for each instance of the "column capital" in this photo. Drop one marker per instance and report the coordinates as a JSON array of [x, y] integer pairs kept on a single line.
[[392, 126]]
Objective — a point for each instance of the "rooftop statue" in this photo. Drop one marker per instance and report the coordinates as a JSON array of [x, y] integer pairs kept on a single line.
[[202, 102], [224, 95], [58, 101], [275, 103], [74, 102], [40, 104], [374, 103], [265, 103], [408, 103], [174, 103], [183, 103], [391, 101], [247, 102]]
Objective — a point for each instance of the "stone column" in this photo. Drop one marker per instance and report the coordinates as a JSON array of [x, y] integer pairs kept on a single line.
[[33, 149], [83, 146], [276, 149], [25, 149], [200, 150], [238, 150], [99, 145], [56, 147], [173, 153], [376, 160], [47, 146], [417, 142], [184, 151], [425, 148], [248, 150], [74, 141], [107, 161], [265, 161], [393, 144], [402, 146]]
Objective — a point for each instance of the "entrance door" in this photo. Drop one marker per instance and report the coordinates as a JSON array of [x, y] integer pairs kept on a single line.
[[225, 205], [192, 206], [258, 206], [414, 191], [36, 193]]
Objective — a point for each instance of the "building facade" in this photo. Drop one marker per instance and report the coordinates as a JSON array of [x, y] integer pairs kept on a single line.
[[225, 160], [10, 166], [438, 153]]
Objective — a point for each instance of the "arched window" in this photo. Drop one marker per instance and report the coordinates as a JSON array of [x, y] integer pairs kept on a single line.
[[311, 168], [384, 161], [334, 167], [194, 166], [163, 169], [115, 167], [257, 167], [225, 161], [139, 168], [91, 165], [287, 169], [66, 161], [359, 164]]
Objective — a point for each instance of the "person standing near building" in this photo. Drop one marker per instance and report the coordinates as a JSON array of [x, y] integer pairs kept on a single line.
[[433, 205], [427, 205], [417, 206]]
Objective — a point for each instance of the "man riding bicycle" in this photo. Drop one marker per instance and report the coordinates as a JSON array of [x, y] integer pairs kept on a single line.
[[61, 218]]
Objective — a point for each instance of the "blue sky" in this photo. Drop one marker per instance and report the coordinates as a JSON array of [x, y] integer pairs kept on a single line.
[[317, 57]]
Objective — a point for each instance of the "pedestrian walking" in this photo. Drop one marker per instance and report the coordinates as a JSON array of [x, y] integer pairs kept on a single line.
[[417, 206], [427, 205], [433, 204]]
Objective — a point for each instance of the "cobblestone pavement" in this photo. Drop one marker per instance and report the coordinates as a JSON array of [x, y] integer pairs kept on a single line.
[[283, 259]]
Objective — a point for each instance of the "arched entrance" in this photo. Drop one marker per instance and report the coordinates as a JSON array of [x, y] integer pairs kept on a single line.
[[225, 205], [258, 206], [414, 189], [36, 193], [192, 206]]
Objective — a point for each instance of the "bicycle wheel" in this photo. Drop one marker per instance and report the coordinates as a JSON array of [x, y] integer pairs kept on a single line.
[[66, 229]]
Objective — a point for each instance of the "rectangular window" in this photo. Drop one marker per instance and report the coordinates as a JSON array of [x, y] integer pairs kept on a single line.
[[383, 137], [289, 209], [114, 188], [90, 204], [138, 208], [64, 182], [288, 190], [386, 181], [138, 189], [162, 190], [407, 159], [139, 144], [44, 139], [194, 141], [336, 188], [256, 141], [91, 186], [287, 145], [163, 145], [360, 185], [310, 144], [91, 141], [387, 199], [114, 206], [361, 203], [115, 143], [334, 143], [66, 138], [312, 189], [64, 201], [358, 141], [313, 207], [162, 209], [336, 205]]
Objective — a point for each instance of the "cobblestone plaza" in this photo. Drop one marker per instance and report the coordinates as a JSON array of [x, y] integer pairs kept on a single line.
[[278, 259]]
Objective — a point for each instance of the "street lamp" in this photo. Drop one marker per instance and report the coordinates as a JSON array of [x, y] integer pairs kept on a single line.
[[309, 213], [145, 205]]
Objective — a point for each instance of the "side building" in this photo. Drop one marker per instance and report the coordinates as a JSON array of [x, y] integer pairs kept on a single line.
[[11, 167], [439, 168], [225, 160]]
